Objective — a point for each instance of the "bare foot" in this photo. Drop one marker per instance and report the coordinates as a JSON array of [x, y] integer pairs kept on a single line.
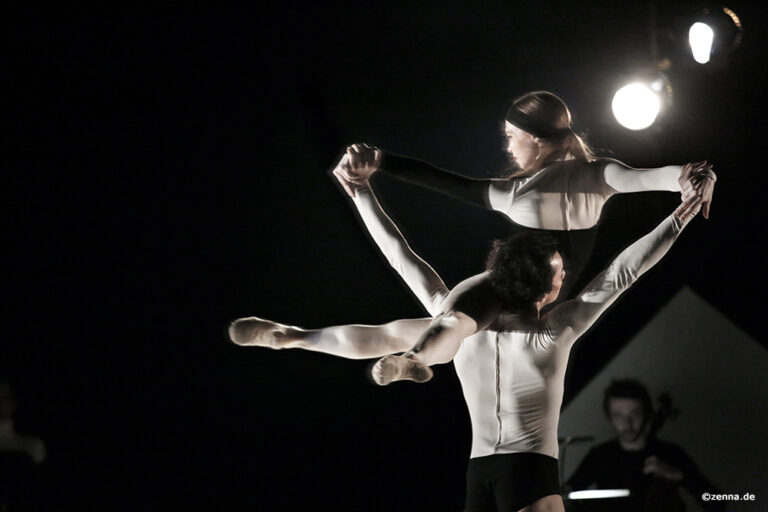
[[257, 332], [392, 368]]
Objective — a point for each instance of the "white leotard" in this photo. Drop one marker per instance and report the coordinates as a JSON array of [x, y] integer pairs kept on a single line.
[[512, 374], [571, 194]]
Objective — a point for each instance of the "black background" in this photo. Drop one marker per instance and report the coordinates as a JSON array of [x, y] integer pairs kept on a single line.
[[165, 171]]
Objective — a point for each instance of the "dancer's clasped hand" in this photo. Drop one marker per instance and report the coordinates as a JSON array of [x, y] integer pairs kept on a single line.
[[356, 166], [688, 208], [698, 179]]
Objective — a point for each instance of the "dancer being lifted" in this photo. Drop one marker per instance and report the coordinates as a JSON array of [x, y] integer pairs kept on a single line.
[[511, 367], [556, 183], [560, 186]]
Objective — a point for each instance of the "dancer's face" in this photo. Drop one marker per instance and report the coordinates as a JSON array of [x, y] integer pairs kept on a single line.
[[521, 145], [628, 419], [557, 279]]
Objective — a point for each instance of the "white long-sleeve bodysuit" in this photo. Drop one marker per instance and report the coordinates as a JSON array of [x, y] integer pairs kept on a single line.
[[565, 198], [566, 195], [512, 374], [571, 194]]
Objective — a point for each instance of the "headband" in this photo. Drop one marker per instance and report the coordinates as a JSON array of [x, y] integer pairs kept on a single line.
[[534, 126]]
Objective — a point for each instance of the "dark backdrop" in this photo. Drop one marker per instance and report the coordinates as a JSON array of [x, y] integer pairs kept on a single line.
[[165, 171]]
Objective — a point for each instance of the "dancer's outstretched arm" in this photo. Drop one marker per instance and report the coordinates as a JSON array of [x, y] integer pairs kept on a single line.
[[417, 274], [471, 297], [474, 191], [359, 341], [499, 194], [470, 306], [689, 178], [569, 320]]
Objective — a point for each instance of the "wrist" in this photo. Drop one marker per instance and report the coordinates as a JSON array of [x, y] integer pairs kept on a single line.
[[362, 188], [707, 173]]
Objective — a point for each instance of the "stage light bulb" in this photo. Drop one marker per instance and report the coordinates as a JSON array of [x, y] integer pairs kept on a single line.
[[701, 36], [636, 106]]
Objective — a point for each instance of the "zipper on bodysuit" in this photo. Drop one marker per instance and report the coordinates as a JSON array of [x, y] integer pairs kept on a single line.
[[498, 393]]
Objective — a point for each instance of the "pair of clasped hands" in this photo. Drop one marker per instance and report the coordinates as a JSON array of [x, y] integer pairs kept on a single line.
[[697, 185], [697, 180], [356, 166]]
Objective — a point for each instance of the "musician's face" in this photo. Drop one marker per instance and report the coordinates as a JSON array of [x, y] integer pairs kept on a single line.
[[628, 419]]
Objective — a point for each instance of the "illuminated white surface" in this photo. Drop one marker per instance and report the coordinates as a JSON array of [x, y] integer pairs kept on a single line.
[[700, 37], [595, 494], [716, 375], [636, 106]]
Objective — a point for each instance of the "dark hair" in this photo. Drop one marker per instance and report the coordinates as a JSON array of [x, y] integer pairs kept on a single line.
[[520, 269], [628, 388]]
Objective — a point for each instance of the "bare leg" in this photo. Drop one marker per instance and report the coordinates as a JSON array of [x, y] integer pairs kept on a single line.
[[348, 341]]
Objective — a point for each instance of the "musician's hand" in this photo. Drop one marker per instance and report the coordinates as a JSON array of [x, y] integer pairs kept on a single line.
[[656, 466]]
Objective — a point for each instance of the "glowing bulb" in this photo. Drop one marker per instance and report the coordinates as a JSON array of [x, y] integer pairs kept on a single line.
[[636, 106], [700, 36]]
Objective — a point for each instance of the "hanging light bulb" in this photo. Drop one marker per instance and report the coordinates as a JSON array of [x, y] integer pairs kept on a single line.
[[636, 106], [701, 37]]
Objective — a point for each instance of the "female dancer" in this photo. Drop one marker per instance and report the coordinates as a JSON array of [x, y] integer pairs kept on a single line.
[[559, 185], [512, 371]]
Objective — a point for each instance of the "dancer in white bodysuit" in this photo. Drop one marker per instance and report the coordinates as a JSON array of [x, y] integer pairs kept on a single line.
[[558, 184], [512, 371]]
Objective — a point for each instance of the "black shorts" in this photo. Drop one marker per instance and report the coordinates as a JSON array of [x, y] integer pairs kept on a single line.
[[508, 482]]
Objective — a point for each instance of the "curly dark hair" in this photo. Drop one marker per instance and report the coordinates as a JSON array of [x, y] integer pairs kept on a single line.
[[520, 269]]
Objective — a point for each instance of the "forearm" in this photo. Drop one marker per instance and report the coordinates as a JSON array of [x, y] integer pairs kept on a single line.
[[643, 254], [422, 280], [418, 172], [623, 272]]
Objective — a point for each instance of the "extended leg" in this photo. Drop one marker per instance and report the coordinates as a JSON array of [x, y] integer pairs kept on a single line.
[[469, 307], [348, 341]]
